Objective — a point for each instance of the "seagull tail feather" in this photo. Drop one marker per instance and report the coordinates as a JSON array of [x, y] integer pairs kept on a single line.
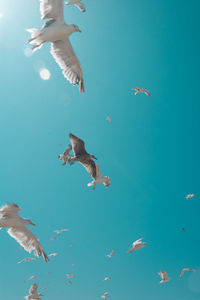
[[81, 86]]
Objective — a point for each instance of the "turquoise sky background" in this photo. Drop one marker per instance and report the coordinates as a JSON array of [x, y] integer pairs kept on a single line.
[[150, 151]]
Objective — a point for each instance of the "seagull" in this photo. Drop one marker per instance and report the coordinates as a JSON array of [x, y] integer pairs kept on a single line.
[[53, 254], [137, 245], [163, 276], [60, 231], [109, 119], [77, 3], [26, 259], [17, 229], [183, 229], [141, 90], [57, 32], [33, 294], [85, 159], [186, 270], [189, 196], [32, 277], [107, 278], [66, 156], [111, 254], [105, 295]]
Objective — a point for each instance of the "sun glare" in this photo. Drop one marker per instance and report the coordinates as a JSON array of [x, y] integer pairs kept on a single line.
[[45, 74]]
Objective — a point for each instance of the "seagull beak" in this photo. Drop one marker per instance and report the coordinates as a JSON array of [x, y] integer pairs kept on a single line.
[[79, 30]]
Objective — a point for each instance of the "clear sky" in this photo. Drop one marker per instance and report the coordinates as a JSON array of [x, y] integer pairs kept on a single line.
[[150, 150]]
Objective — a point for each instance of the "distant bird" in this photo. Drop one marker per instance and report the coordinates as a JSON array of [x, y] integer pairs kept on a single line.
[[26, 259], [17, 229], [137, 245], [107, 278], [85, 159], [31, 278], [33, 294], [109, 119], [54, 237], [77, 3], [53, 255], [56, 32], [141, 90], [111, 254], [186, 270], [104, 296], [183, 229], [66, 156], [189, 196], [163, 276], [60, 231], [69, 276]]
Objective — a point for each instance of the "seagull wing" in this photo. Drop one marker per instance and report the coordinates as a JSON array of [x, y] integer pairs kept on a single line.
[[69, 148], [52, 9], [10, 209], [66, 58], [137, 242], [77, 144], [98, 173], [147, 93], [181, 275], [28, 241], [81, 6], [90, 166]]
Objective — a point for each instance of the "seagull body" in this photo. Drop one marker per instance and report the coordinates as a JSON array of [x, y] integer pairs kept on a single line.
[[141, 90], [111, 254], [189, 196], [186, 270], [107, 278], [109, 119], [56, 32], [53, 254], [33, 294], [77, 3], [26, 259], [104, 296], [86, 160], [17, 229], [137, 245], [163, 276], [66, 156]]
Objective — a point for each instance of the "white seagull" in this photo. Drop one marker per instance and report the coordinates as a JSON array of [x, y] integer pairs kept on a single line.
[[69, 276], [66, 156], [26, 259], [111, 254], [33, 294], [31, 278], [57, 32], [17, 229], [86, 160], [53, 255], [141, 90], [137, 245], [189, 196], [163, 276], [186, 270], [77, 3], [104, 296], [107, 278]]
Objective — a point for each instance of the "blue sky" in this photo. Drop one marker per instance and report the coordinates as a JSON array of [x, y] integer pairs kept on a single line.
[[150, 150]]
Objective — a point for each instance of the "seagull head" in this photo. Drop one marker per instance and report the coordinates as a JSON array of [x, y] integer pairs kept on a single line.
[[94, 157], [75, 28], [107, 181]]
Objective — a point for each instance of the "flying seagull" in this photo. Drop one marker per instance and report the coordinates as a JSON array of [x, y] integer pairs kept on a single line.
[[66, 156], [31, 278], [86, 160], [77, 3], [111, 254], [189, 196], [163, 276], [69, 276], [137, 245], [53, 255], [17, 229], [57, 32], [26, 259], [60, 231], [107, 278], [33, 294], [186, 270], [141, 90]]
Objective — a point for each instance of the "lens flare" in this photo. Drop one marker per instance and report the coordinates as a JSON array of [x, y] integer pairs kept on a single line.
[[45, 74]]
